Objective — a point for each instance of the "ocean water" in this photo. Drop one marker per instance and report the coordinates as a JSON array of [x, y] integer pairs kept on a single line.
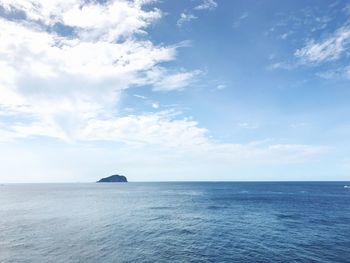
[[175, 222]]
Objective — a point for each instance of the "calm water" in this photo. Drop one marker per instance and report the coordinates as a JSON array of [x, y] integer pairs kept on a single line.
[[175, 222]]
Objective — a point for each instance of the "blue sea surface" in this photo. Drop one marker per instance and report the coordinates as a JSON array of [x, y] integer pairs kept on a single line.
[[175, 222]]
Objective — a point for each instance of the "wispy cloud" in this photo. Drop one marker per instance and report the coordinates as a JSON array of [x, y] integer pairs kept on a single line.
[[331, 48], [221, 87], [246, 125], [185, 18], [207, 5], [155, 105], [282, 65], [336, 73], [285, 35], [163, 129], [140, 96], [176, 81], [240, 19]]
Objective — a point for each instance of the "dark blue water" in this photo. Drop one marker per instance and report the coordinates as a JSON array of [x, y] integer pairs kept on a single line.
[[175, 222]]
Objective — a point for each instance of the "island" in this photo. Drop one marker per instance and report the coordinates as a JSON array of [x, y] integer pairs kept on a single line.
[[114, 179]]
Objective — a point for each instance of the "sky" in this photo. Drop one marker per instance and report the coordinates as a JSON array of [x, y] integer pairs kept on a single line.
[[174, 90]]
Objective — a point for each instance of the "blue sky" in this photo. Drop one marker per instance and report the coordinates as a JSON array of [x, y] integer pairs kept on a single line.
[[174, 90]]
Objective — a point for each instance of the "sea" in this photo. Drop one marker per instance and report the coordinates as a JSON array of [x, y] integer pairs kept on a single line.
[[175, 222]]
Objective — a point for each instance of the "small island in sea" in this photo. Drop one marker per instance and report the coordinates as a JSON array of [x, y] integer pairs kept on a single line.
[[114, 179]]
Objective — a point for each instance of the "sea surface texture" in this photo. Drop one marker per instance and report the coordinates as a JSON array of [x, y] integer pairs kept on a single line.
[[175, 222]]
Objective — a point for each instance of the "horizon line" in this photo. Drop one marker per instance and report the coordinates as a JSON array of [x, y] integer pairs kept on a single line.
[[188, 181]]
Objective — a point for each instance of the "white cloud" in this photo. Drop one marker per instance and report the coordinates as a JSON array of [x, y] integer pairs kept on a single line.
[[168, 133], [148, 129], [285, 35], [176, 81], [246, 125], [337, 73], [184, 18], [331, 48], [165, 130], [221, 87], [155, 105], [54, 84], [110, 19], [207, 5], [140, 96], [107, 21]]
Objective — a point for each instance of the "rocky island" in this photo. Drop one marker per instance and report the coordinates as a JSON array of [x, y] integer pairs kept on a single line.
[[114, 179]]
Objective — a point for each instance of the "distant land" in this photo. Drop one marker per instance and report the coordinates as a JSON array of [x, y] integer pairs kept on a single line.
[[114, 179]]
